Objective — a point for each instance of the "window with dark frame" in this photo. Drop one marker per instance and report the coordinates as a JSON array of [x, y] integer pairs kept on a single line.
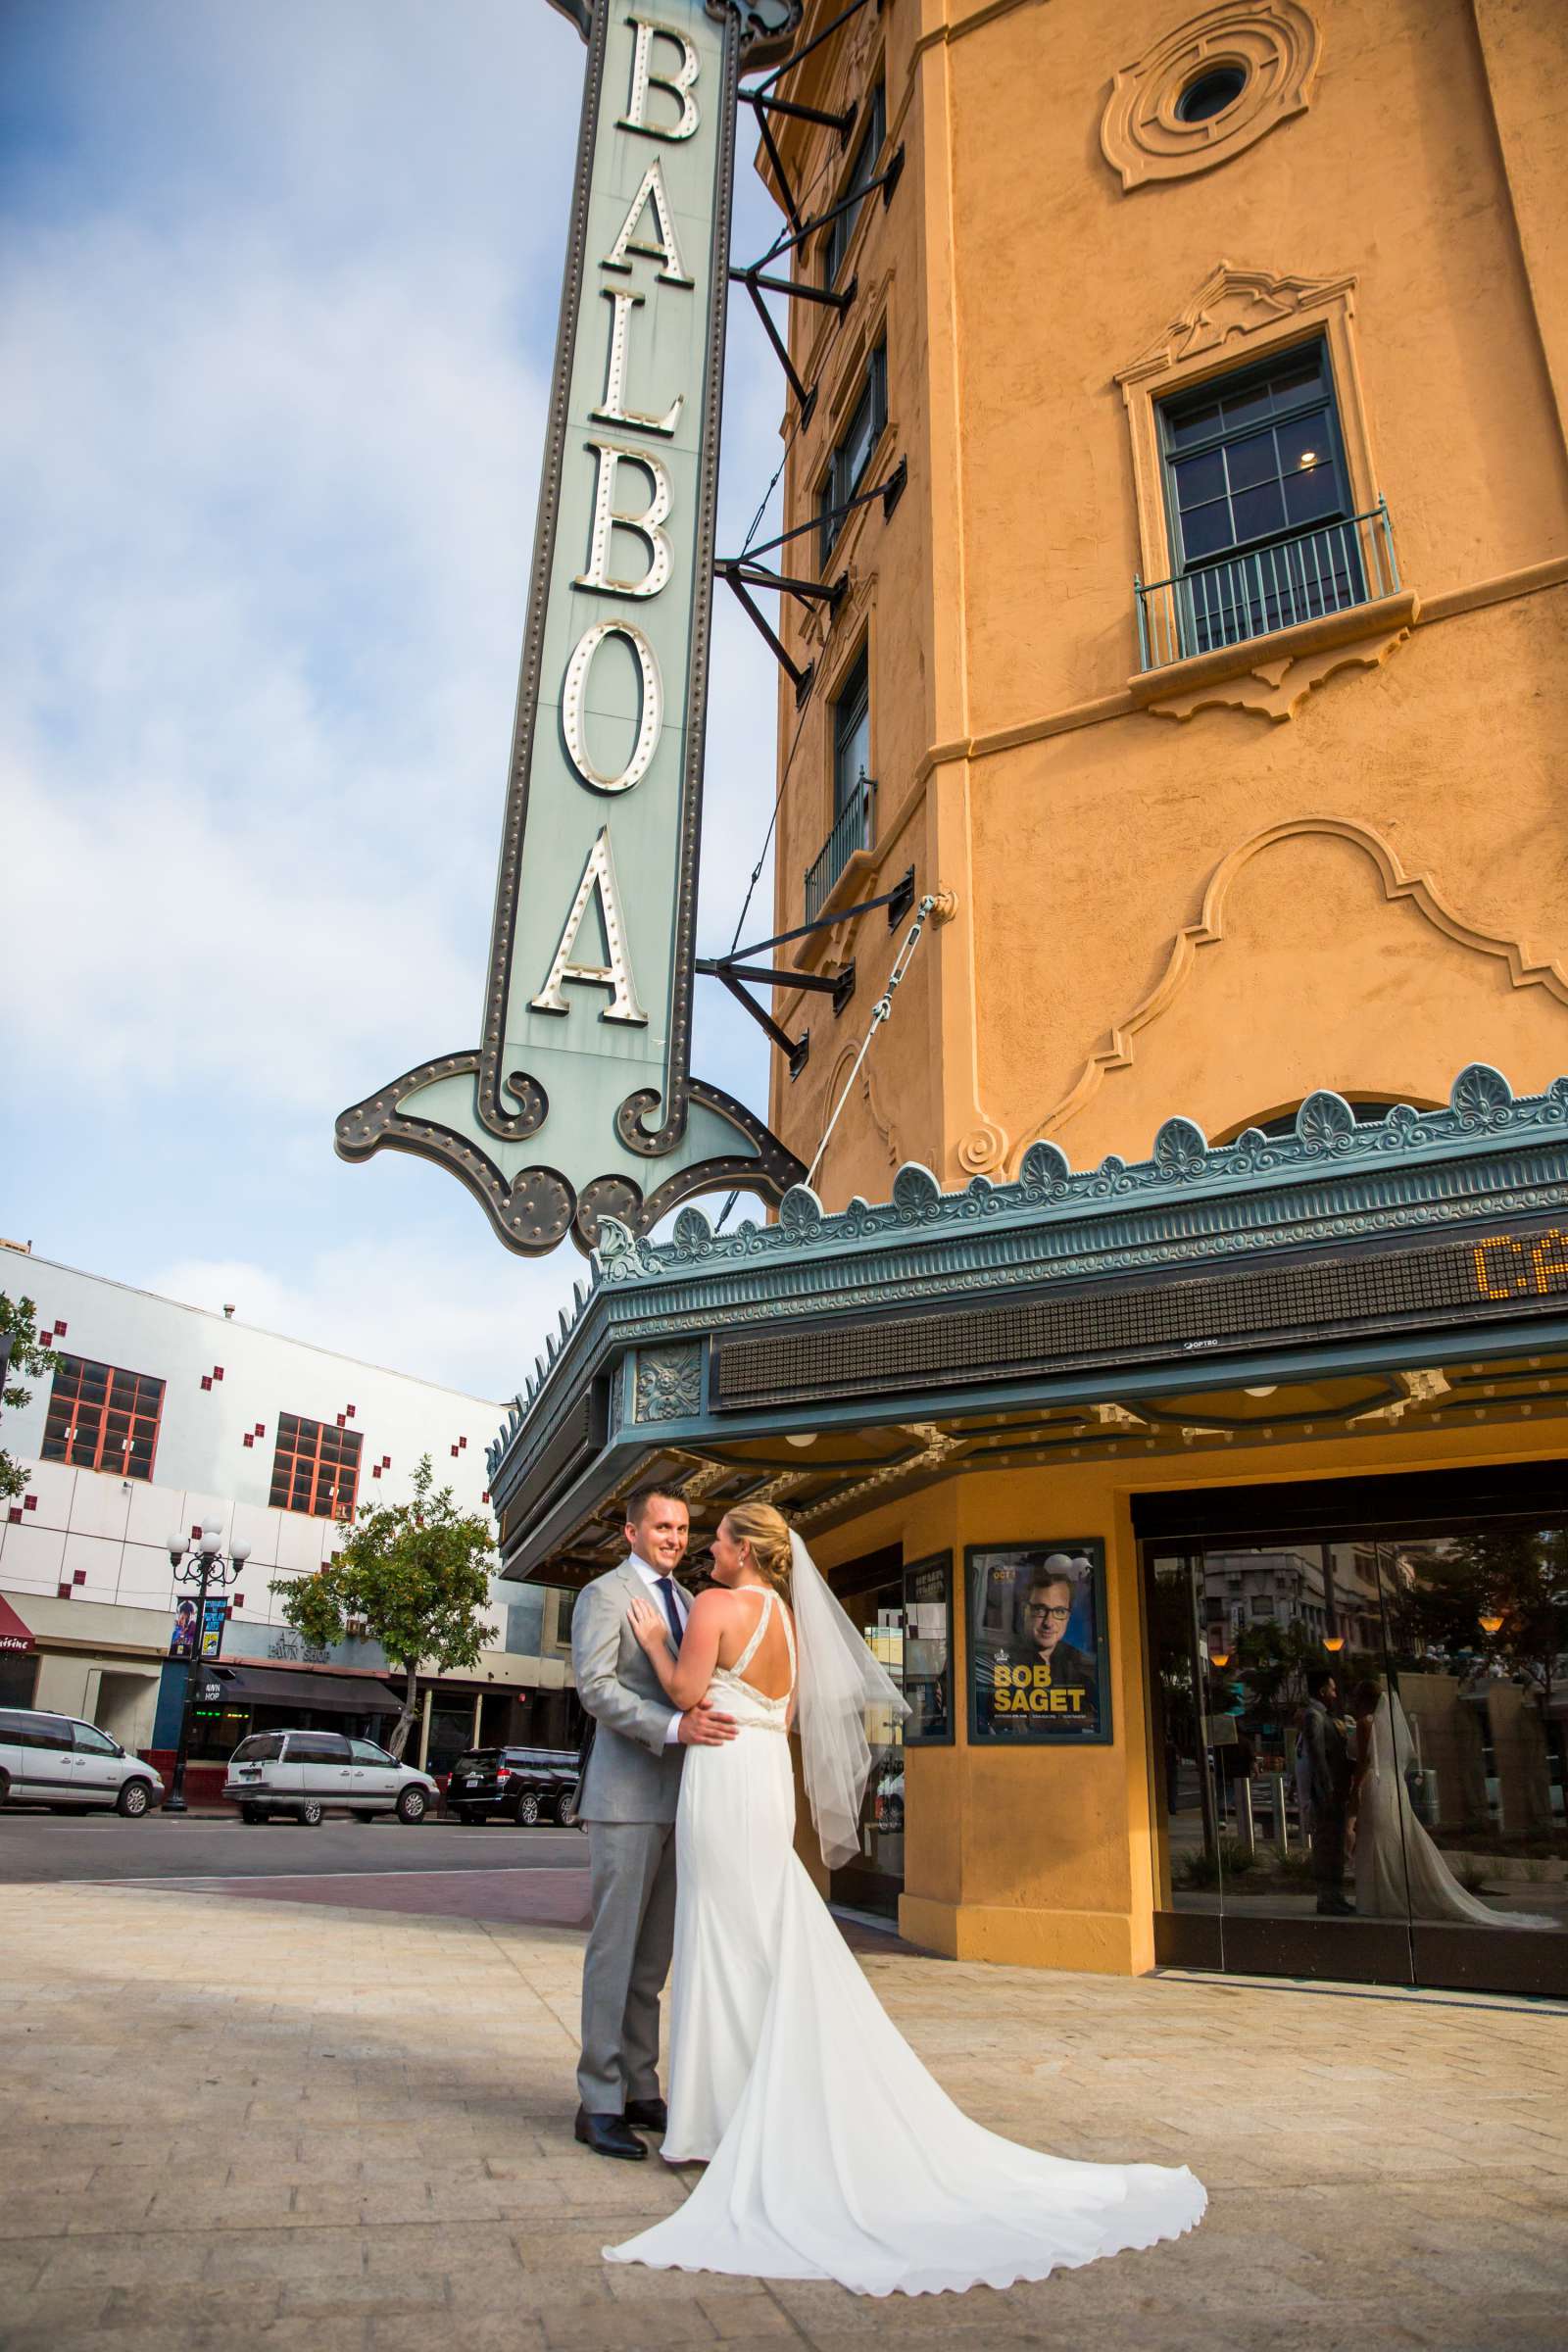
[[1261, 516], [1254, 456], [852, 452], [315, 1468], [851, 736], [842, 227], [101, 1417]]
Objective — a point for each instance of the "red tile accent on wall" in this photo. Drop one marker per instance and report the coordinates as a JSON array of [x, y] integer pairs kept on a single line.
[[486, 1496], [386, 1461], [218, 1371], [247, 1439], [454, 1453], [60, 1330], [375, 1469], [62, 1592], [261, 1429], [463, 1445], [350, 1411], [196, 1533], [15, 1514], [206, 1381], [78, 1576], [29, 1502]]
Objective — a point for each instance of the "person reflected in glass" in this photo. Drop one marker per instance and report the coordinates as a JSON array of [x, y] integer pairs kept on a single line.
[[1331, 1774], [1400, 1873]]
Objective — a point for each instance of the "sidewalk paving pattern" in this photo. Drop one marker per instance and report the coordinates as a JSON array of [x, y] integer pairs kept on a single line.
[[282, 2125]]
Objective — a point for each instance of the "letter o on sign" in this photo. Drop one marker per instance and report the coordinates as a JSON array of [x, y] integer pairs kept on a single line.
[[573, 700]]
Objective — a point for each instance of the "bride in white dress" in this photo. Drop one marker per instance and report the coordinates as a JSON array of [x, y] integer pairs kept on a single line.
[[831, 2152], [1400, 1873]]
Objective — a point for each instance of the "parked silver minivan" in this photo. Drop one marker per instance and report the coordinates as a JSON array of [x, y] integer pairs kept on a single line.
[[306, 1774], [55, 1760]]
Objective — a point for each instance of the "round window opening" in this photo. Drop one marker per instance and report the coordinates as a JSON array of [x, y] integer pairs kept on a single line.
[[1211, 93]]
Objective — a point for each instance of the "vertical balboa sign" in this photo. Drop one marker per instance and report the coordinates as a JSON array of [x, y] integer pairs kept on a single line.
[[578, 1102]]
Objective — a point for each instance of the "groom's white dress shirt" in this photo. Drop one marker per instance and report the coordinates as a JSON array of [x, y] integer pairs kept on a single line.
[[652, 1578]]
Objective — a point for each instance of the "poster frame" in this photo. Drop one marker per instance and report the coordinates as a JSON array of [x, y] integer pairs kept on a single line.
[[923, 1565], [1043, 1740]]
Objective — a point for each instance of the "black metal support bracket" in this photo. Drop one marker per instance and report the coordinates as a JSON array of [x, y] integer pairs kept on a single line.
[[898, 900], [840, 986], [743, 576], [886, 180], [795, 1049]]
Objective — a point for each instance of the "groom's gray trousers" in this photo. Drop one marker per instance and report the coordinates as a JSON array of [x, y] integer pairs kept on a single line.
[[627, 1801]]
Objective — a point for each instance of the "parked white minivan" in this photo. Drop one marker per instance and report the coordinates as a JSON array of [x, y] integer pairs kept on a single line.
[[56, 1761], [306, 1774]]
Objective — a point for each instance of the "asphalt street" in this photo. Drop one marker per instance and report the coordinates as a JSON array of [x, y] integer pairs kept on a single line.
[[57, 1848]]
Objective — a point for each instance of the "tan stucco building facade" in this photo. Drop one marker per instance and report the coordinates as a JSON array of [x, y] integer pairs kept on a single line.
[[1329, 853], [1177, 429]]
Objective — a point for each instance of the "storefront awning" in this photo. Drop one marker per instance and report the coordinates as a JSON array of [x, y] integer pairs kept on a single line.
[[13, 1635], [316, 1693]]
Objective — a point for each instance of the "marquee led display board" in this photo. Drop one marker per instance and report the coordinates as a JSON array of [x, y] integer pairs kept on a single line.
[[578, 1100], [1469, 1283]]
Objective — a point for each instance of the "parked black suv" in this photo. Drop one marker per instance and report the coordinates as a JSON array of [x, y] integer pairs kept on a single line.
[[523, 1785]]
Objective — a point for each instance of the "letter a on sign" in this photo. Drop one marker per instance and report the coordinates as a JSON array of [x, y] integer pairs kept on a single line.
[[579, 1103]]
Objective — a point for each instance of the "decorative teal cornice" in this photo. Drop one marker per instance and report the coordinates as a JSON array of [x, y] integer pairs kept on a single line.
[[1488, 1156]]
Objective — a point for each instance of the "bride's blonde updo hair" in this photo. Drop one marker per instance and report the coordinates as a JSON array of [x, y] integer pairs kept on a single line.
[[767, 1532]]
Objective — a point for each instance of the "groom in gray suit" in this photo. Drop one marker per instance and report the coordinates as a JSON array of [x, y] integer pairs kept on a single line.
[[629, 1790]]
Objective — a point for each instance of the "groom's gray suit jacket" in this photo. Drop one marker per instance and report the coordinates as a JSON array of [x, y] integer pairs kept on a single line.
[[633, 1774], [630, 1789]]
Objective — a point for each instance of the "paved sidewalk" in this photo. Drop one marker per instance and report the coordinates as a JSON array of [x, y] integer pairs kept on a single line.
[[234, 2124]]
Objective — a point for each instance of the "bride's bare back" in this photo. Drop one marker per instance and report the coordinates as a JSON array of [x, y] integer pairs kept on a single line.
[[769, 1670]]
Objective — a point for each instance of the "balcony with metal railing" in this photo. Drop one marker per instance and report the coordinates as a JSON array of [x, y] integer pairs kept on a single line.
[[852, 831], [1302, 577]]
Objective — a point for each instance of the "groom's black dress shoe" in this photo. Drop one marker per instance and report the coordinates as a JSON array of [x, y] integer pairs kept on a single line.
[[608, 2136], [648, 2115]]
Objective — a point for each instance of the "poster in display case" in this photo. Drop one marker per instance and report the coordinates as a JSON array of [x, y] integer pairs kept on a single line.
[[1038, 1644], [928, 1652]]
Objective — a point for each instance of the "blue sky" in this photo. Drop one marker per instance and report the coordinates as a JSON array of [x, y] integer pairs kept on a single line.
[[279, 285]]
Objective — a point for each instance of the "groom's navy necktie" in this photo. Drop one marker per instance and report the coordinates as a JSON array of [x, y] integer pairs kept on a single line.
[[666, 1594]]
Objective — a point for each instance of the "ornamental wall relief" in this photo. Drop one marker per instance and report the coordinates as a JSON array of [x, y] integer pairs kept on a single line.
[[1209, 88], [1409, 997]]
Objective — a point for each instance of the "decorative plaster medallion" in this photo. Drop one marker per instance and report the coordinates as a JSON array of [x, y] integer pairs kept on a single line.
[[983, 1149], [669, 1383], [1272, 46]]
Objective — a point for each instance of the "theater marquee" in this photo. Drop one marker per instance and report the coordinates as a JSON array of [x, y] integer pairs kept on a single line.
[[578, 1102]]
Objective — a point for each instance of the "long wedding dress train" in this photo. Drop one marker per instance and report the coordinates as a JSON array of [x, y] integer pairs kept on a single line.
[[832, 2152], [1399, 1871]]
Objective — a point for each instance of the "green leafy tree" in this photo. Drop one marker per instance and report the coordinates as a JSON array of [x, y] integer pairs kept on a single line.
[[414, 1575], [19, 1323]]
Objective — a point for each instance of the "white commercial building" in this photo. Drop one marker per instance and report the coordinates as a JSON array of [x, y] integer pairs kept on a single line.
[[164, 1416]]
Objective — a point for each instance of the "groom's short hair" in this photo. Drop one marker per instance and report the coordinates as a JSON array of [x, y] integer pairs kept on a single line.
[[640, 1497]]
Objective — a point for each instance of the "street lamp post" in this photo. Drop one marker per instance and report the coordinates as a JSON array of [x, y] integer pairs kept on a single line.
[[203, 1567]]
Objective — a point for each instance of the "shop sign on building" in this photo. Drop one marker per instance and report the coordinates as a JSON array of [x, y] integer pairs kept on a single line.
[[578, 1100]]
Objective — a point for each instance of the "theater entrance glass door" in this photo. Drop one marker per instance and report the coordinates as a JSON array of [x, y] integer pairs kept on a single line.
[[1360, 1744], [872, 1590]]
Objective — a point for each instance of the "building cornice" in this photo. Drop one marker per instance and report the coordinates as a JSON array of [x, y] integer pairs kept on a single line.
[[1486, 1158]]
